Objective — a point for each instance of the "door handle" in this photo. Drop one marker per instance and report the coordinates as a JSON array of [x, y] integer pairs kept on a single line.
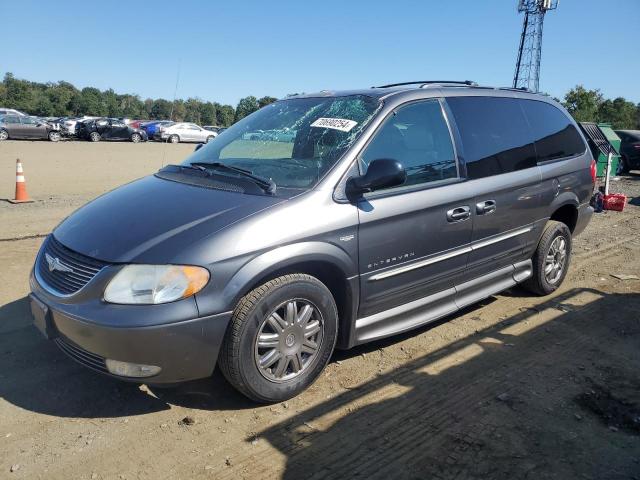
[[458, 214], [488, 206]]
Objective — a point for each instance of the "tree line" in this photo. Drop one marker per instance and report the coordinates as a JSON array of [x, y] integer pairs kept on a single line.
[[62, 99], [591, 106]]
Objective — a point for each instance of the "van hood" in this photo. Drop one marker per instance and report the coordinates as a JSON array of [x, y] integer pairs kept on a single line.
[[153, 220]]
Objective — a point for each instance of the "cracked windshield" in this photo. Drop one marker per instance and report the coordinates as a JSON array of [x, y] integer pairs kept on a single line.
[[293, 142]]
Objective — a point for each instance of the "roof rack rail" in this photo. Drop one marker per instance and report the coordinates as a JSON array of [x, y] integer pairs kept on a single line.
[[517, 89], [429, 82]]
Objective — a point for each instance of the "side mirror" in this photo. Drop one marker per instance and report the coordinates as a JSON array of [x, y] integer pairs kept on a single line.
[[382, 173], [198, 147]]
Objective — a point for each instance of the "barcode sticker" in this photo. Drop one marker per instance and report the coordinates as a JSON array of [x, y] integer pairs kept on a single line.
[[335, 123]]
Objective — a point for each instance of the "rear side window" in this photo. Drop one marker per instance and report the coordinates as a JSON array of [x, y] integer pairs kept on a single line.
[[495, 135], [554, 134], [418, 137]]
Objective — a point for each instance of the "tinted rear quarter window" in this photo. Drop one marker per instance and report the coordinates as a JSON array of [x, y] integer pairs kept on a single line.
[[554, 134], [495, 134]]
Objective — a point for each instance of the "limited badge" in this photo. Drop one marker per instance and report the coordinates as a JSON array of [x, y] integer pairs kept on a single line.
[[335, 123]]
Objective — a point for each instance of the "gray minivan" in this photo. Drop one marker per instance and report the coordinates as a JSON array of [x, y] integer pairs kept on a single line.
[[319, 221]]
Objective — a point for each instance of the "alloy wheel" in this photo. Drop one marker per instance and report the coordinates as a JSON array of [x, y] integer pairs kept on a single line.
[[555, 260], [288, 340], [3, 135]]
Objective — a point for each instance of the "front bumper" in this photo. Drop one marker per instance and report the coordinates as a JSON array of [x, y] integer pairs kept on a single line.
[[185, 350]]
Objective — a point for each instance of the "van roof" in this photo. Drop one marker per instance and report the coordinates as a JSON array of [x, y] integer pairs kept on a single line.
[[449, 86]]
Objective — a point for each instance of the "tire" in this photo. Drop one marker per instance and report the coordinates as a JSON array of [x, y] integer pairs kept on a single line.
[[54, 136], [94, 137], [209, 138], [136, 138], [549, 274], [174, 139], [254, 318], [4, 135]]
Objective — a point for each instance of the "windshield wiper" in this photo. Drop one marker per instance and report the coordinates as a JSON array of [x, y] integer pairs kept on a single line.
[[266, 184]]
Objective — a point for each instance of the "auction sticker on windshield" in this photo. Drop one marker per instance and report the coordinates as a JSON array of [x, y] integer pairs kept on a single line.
[[335, 123]]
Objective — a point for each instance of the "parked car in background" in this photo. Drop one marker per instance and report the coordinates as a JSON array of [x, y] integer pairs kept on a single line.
[[11, 111], [152, 127], [184, 132], [109, 129], [213, 128], [27, 127], [68, 124], [629, 150], [137, 123]]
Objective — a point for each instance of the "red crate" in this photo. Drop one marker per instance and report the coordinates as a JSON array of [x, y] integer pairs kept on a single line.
[[614, 201]]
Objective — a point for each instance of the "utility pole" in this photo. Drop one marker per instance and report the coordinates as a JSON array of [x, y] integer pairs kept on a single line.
[[527, 73]]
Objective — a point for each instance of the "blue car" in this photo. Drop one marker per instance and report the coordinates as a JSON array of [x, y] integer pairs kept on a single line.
[[152, 127]]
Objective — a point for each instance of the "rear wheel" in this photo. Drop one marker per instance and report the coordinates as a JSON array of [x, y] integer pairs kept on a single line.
[[136, 138], [54, 136], [280, 338], [95, 137], [209, 138], [174, 139], [551, 259], [4, 135]]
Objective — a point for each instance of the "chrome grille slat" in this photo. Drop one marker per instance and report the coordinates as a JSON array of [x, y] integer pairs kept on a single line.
[[66, 283]]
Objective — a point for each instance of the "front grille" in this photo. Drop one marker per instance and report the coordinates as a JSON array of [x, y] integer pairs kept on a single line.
[[80, 355], [83, 268]]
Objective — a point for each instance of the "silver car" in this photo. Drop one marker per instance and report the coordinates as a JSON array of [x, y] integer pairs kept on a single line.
[[185, 132]]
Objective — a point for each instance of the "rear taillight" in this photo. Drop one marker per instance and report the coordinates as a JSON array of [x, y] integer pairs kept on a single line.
[[593, 171]]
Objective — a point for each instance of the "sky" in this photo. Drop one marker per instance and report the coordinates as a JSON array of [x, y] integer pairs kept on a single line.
[[227, 50]]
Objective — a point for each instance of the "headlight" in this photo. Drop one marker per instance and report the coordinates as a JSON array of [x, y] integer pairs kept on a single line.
[[152, 284]]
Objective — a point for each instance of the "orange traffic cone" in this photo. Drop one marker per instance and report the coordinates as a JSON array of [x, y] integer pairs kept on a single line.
[[21, 186]]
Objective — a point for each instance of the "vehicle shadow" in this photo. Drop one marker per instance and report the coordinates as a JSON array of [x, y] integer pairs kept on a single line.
[[36, 376], [503, 403]]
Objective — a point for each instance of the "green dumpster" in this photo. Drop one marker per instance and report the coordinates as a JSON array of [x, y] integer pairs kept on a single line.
[[602, 141], [614, 140]]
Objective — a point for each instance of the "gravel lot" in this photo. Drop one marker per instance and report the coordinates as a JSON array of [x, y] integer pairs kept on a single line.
[[517, 387]]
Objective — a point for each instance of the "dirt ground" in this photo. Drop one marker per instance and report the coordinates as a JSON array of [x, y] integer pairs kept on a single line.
[[517, 387]]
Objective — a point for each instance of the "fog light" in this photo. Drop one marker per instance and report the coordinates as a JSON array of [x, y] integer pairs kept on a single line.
[[126, 369]]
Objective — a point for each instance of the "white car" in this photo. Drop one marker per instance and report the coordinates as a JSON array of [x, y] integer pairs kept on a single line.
[[69, 124], [185, 132], [11, 111]]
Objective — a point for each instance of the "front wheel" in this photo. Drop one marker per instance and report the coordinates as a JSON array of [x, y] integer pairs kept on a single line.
[[551, 259], [54, 136], [209, 138], [95, 137], [280, 338], [174, 139], [136, 138], [4, 135]]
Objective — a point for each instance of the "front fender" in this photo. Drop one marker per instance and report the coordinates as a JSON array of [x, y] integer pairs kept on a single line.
[[282, 258], [231, 281]]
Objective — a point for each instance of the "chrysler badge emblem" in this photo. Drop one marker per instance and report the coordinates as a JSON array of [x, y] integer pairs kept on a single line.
[[55, 264]]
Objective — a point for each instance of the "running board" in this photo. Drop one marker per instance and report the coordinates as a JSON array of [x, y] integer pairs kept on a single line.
[[429, 309]]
